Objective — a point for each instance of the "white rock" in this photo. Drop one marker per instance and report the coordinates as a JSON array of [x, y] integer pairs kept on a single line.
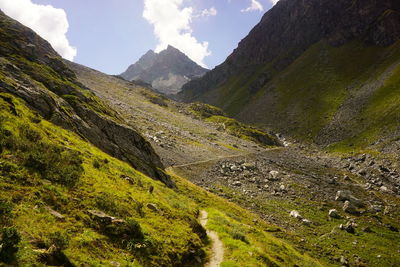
[[296, 214], [273, 175], [237, 183], [384, 188]]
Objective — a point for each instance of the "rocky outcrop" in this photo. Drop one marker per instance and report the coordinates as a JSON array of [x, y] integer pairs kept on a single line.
[[166, 71], [33, 71]]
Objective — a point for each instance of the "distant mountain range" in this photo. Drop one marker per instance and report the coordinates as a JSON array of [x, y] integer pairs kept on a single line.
[[166, 71]]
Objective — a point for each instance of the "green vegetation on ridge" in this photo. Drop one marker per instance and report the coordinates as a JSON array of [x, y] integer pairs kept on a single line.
[[215, 115]]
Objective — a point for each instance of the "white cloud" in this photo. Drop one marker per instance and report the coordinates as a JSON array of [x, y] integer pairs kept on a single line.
[[274, 1], [254, 6], [49, 22], [171, 22], [209, 12]]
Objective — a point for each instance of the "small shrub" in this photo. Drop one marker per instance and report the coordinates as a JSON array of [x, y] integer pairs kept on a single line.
[[7, 140], [106, 203], [112, 205], [139, 208], [55, 164], [143, 248], [239, 235], [205, 111], [125, 231], [96, 164], [133, 229], [12, 172], [51, 161], [30, 134], [58, 239], [10, 239], [6, 208], [155, 98]]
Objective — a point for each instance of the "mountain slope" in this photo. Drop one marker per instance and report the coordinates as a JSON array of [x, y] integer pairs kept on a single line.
[[179, 133], [307, 65], [166, 71], [32, 70], [64, 202], [197, 146]]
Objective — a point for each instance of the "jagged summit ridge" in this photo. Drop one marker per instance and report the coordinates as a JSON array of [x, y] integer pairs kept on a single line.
[[166, 71]]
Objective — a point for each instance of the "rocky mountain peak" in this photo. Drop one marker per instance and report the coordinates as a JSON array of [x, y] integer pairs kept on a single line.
[[166, 71], [170, 48]]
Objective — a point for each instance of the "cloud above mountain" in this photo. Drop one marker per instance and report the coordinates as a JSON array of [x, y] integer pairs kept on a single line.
[[254, 6], [172, 26], [49, 22]]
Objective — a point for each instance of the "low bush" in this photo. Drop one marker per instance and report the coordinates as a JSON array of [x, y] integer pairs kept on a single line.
[[6, 208], [156, 98], [55, 163], [10, 239], [204, 111], [59, 239]]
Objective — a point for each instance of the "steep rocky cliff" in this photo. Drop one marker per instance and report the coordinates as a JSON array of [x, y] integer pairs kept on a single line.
[[31, 70], [166, 71], [306, 65]]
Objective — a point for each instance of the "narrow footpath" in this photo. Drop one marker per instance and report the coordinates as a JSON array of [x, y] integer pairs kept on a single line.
[[217, 248]]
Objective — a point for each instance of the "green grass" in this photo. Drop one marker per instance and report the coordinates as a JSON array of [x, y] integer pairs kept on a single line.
[[381, 115], [244, 131], [243, 244], [236, 92], [317, 83], [324, 240], [245, 237], [164, 237], [311, 90], [216, 116], [168, 236]]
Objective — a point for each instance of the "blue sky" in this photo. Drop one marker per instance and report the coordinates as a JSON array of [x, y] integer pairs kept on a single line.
[[109, 35]]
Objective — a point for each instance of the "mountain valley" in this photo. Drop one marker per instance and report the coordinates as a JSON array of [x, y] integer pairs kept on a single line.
[[297, 164]]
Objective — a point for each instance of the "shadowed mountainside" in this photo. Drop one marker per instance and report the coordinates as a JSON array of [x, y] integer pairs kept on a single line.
[[325, 71]]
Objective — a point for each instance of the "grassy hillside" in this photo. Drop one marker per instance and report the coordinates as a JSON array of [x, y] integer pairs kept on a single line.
[[345, 94], [53, 183], [31, 70]]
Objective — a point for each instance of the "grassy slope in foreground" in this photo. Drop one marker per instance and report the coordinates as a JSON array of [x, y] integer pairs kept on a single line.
[[33, 166]]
